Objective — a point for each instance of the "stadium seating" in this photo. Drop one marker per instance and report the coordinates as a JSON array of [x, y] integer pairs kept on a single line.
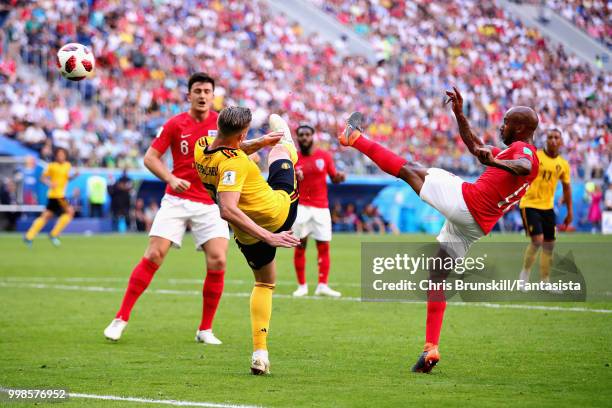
[[264, 61]]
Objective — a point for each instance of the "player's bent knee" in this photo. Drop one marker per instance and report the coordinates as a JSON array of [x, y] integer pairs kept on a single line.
[[155, 254], [215, 261]]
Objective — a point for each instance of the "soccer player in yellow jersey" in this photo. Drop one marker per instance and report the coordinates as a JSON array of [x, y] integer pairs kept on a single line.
[[260, 212], [537, 206], [56, 176]]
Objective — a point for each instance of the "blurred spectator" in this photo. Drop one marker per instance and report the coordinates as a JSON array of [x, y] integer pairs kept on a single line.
[[96, 195], [595, 212], [139, 215], [76, 201], [149, 214], [371, 220], [608, 198], [8, 196], [120, 194]]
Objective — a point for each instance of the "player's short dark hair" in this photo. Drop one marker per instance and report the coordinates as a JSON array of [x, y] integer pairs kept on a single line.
[[60, 149], [233, 120], [200, 77], [305, 126]]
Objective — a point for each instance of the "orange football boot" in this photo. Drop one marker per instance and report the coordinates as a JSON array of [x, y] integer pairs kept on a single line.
[[428, 359]]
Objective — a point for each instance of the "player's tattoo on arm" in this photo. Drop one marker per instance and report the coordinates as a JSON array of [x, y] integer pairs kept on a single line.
[[251, 146], [518, 167]]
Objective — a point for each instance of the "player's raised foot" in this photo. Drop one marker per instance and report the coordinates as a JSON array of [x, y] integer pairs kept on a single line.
[[324, 290], [27, 242], [427, 360], [353, 129], [302, 290], [278, 124], [55, 241], [207, 337], [260, 364], [115, 329]]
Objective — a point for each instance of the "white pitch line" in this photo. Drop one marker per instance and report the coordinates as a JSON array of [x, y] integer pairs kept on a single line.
[[172, 281], [150, 401], [282, 296], [157, 401]]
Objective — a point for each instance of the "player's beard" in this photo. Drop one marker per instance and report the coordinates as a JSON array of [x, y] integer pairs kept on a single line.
[[306, 149]]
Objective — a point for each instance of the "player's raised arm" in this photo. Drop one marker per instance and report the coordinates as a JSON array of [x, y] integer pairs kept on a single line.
[[467, 135], [228, 206], [153, 162], [253, 145], [518, 167]]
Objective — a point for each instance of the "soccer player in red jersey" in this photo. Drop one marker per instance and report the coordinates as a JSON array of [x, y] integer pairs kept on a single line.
[[313, 217], [185, 203], [471, 209]]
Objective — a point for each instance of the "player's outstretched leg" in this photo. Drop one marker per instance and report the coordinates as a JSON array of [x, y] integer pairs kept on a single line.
[[385, 159], [278, 124]]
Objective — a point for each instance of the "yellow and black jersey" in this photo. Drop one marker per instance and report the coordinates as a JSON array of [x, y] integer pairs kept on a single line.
[[226, 169], [59, 174], [541, 193]]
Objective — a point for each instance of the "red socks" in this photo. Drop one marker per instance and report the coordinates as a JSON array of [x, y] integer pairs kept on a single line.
[[323, 260], [139, 281], [384, 158], [211, 294], [435, 314], [299, 261]]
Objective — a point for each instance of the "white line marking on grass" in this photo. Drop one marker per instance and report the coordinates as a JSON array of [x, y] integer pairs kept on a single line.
[[156, 401], [151, 401], [282, 296], [172, 281]]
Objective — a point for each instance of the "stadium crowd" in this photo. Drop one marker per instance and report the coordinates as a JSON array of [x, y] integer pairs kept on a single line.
[[592, 16], [266, 62]]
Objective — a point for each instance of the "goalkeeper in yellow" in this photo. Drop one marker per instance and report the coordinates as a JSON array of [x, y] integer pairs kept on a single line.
[[537, 206], [260, 212], [56, 176]]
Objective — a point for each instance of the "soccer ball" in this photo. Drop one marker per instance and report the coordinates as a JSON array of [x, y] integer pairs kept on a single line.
[[75, 62]]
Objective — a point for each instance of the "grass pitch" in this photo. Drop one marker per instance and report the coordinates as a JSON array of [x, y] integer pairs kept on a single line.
[[55, 303]]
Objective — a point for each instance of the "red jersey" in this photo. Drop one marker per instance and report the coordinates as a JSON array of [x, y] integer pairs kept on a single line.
[[497, 190], [181, 132], [315, 167]]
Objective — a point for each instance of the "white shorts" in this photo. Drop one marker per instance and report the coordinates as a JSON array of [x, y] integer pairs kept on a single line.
[[442, 190], [175, 214], [313, 221]]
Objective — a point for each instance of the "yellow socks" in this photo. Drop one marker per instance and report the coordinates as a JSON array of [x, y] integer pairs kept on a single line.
[[261, 310], [530, 256], [35, 228], [545, 262], [61, 223]]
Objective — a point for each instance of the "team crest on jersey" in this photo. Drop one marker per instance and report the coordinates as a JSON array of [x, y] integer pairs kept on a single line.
[[212, 133], [320, 163]]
